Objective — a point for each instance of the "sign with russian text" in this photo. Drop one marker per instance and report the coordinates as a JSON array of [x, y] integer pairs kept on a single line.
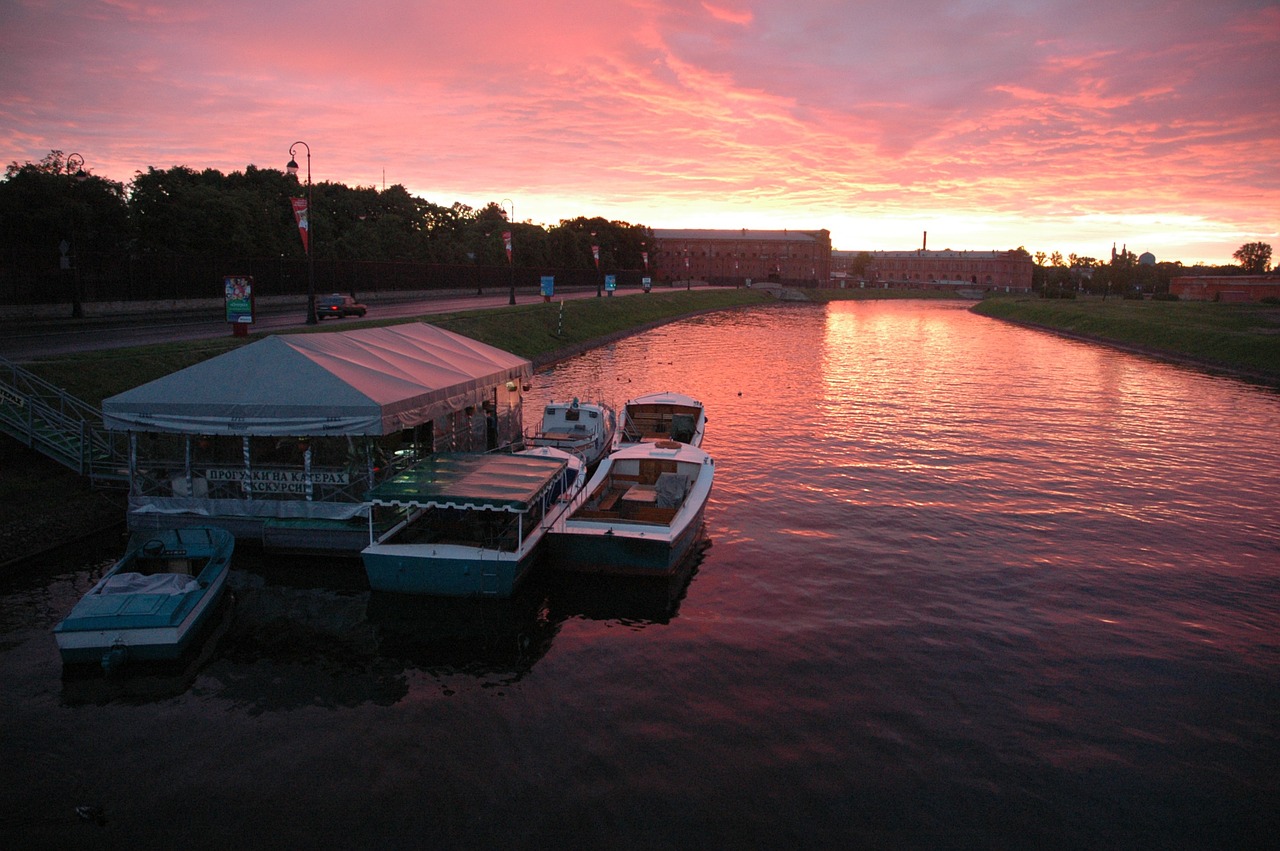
[[548, 285], [277, 481]]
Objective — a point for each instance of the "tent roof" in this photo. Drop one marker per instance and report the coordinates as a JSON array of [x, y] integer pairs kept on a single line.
[[369, 381], [494, 482]]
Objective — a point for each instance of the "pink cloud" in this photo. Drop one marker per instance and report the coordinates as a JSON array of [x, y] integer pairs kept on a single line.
[[729, 16], [670, 111]]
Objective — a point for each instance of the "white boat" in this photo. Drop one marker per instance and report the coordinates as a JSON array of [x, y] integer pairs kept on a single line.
[[584, 429], [468, 525], [661, 416], [640, 514], [151, 604]]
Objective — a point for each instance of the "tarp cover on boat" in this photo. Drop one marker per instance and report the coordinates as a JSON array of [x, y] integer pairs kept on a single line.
[[371, 381], [493, 482]]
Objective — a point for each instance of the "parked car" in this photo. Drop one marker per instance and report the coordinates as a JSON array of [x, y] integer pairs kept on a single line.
[[339, 306]]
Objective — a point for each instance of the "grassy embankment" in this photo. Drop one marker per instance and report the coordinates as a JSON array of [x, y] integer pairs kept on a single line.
[[530, 330], [48, 504], [1243, 339]]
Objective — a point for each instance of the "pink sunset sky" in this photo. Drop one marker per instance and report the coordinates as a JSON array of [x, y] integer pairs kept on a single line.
[[992, 124]]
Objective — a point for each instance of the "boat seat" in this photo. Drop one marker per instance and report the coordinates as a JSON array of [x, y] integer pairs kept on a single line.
[[671, 489], [682, 427]]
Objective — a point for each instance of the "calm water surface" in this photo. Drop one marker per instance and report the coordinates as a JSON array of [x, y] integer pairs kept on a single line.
[[966, 585]]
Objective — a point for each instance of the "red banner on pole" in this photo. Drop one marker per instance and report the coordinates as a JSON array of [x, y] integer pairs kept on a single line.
[[506, 238], [595, 252], [304, 227], [645, 256]]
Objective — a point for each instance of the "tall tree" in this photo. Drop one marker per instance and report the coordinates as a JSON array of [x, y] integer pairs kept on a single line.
[[55, 202], [1254, 257]]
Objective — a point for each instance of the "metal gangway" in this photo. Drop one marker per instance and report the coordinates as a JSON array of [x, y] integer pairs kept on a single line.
[[53, 422]]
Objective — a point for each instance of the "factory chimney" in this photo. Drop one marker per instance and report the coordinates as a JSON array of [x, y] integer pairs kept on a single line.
[[925, 247]]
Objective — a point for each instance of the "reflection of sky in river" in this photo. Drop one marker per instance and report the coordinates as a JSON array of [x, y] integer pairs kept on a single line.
[[967, 584]]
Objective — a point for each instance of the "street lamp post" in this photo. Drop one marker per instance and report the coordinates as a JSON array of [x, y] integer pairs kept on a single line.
[[511, 262], [76, 162], [595, 252], [292, 168]]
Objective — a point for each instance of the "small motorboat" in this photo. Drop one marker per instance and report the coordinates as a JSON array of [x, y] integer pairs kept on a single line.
[[661, 416], [640, 514], [584, 429], [152, 602]]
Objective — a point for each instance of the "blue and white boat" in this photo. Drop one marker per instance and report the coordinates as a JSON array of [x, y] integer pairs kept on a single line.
[[468, 525], [661, 416], [584, 429], [151, 604], [640, 514]]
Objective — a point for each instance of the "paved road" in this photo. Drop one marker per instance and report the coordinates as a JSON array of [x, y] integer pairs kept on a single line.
[[22, 341]]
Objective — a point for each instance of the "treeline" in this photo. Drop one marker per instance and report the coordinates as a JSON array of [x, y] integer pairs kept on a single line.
[[1055, 275], [64, 226]]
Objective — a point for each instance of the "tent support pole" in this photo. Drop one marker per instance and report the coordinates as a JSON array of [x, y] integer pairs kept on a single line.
[[306, 470], [248, 467], [135, 487]]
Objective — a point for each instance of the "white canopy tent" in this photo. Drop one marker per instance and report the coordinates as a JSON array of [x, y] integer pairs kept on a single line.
[[372, 381], [358, 388]]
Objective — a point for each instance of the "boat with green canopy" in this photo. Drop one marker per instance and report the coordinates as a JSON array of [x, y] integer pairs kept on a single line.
[[467, 525]]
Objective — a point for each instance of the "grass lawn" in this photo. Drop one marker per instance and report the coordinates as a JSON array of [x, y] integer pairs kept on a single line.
[[1244, 337], [531, 331]]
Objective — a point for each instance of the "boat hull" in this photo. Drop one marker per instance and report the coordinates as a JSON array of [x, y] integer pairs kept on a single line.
[[640, 515], [143, 643], [411, 559], [114, 628], [660, 416], [445, 572], [623, 551], [582, 429]]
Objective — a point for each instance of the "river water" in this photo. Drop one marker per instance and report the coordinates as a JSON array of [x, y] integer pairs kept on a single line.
[[964, 585]]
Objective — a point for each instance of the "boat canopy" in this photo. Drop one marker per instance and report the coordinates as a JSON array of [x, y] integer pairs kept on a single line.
[[371, 381], [458, 480]]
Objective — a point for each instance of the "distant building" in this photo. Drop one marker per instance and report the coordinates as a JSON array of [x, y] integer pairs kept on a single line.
[[1005, 270], [1230, 288], [734, 257]]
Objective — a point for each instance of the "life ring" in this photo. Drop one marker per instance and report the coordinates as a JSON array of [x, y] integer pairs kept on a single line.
[[153, 548]]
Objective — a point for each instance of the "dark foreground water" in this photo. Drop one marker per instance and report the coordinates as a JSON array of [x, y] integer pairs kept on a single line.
[[967, 585]]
